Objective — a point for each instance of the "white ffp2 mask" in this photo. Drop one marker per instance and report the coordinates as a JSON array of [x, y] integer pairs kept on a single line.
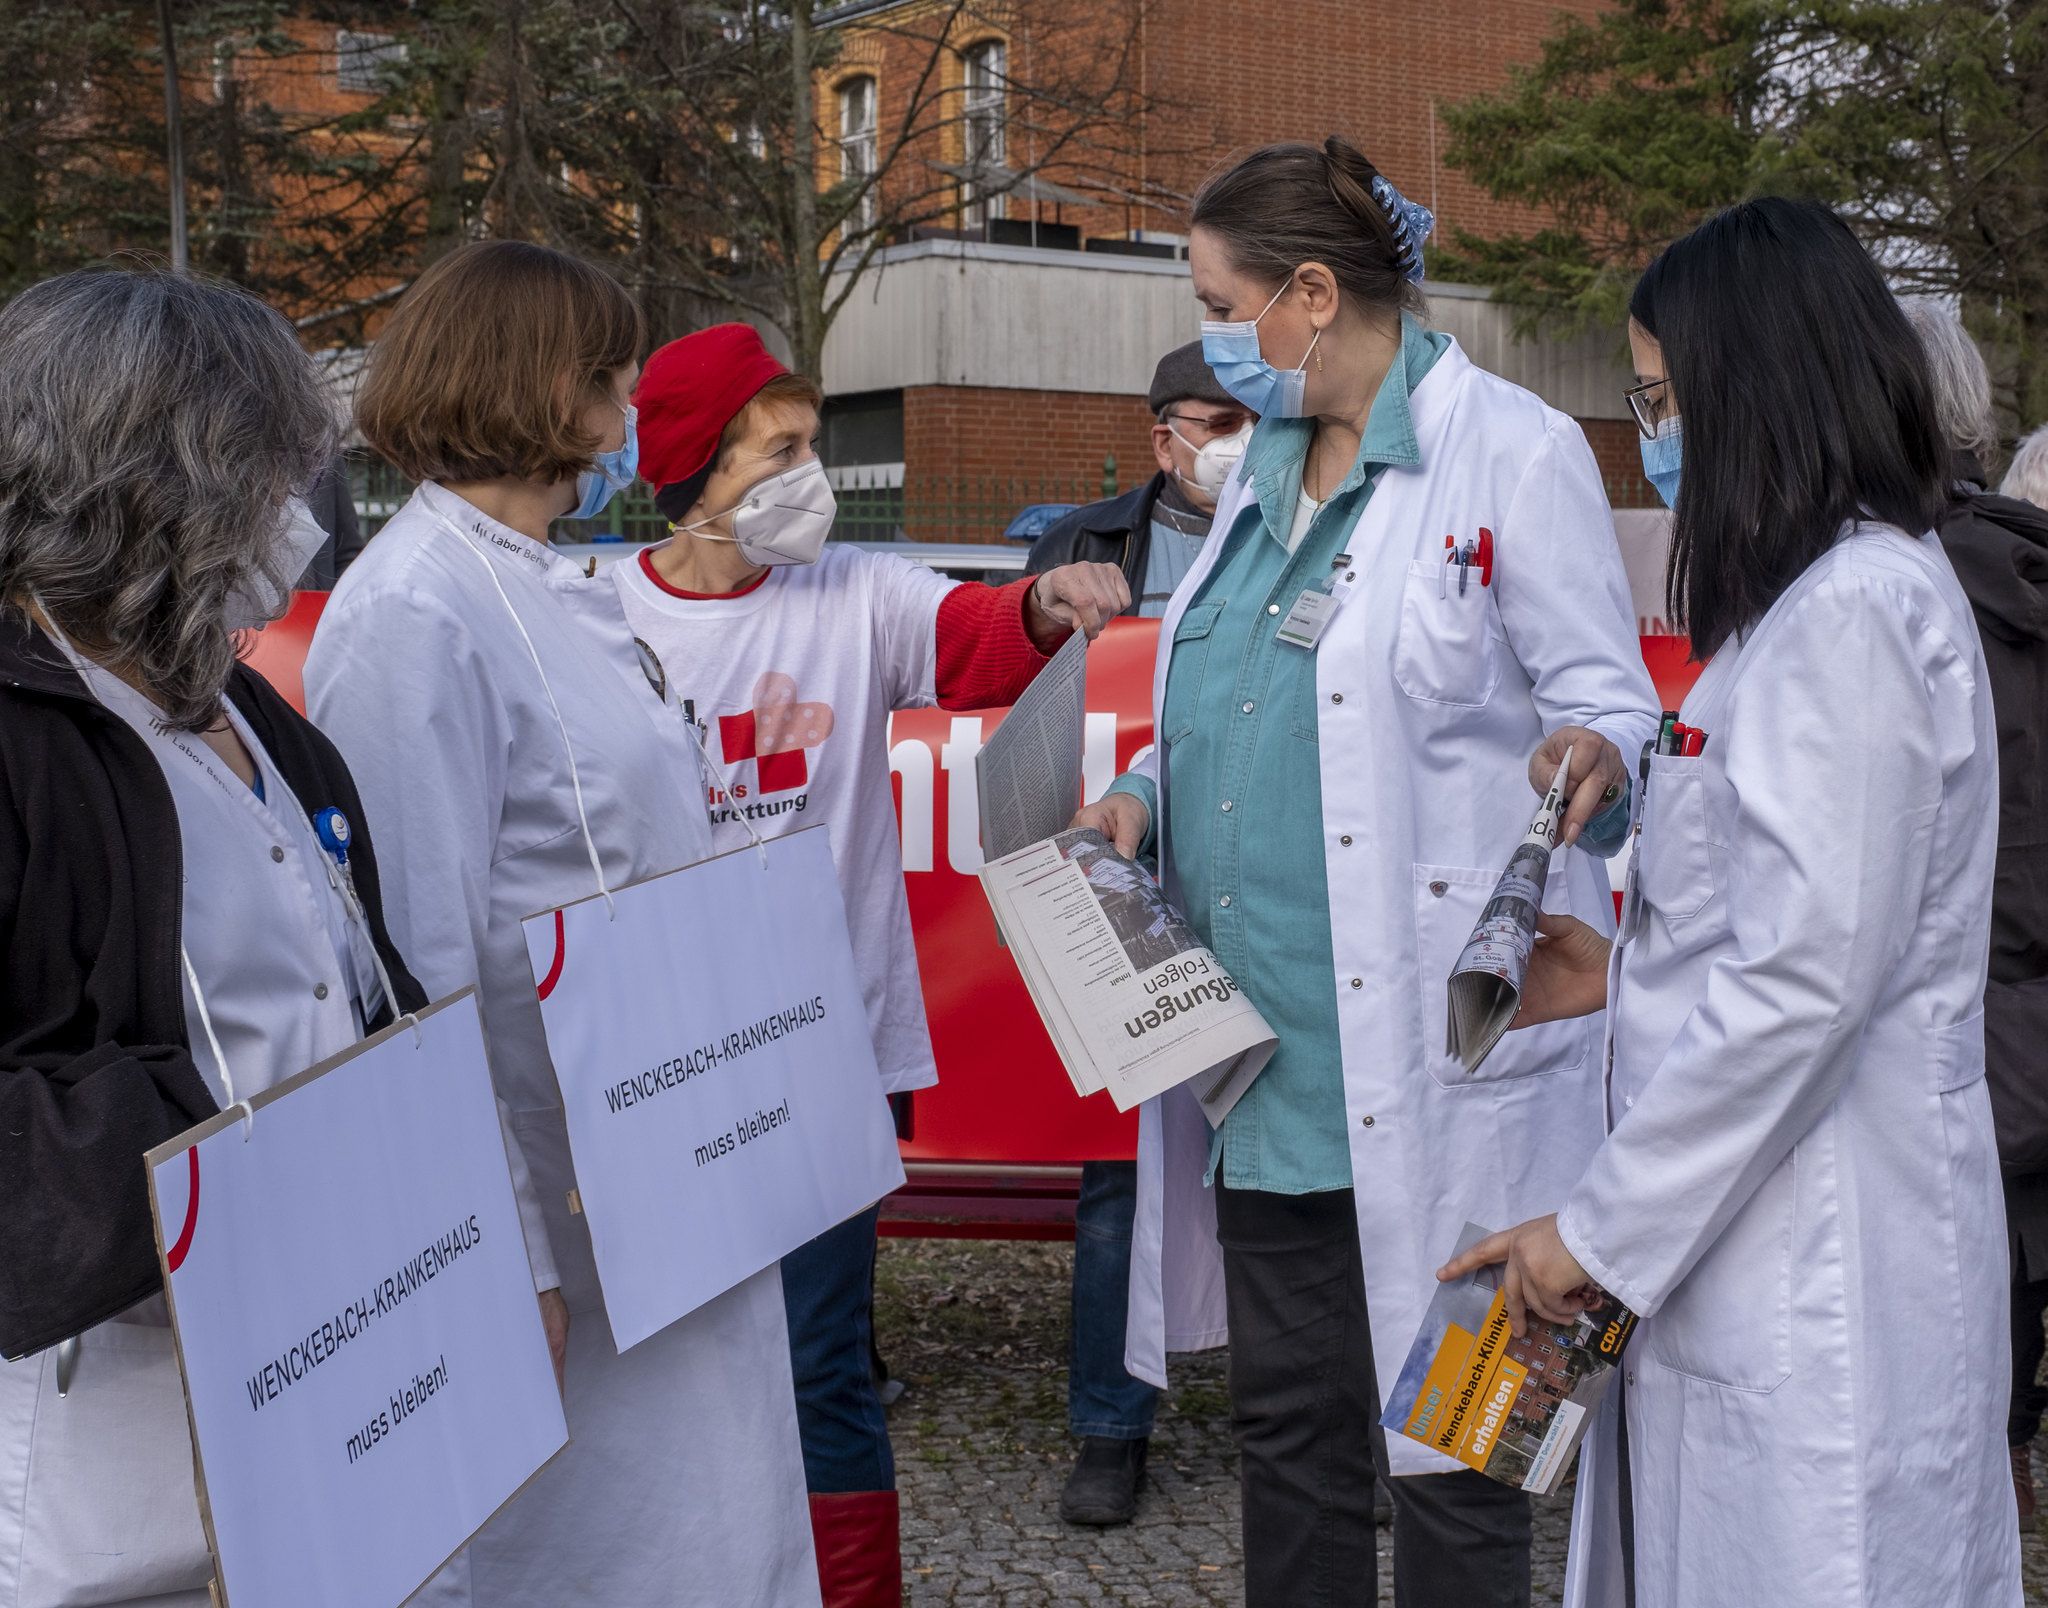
[[1214, 460], [781, 520], [254, 600]]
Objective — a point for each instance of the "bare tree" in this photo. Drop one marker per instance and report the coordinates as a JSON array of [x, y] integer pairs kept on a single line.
[[744, 197]]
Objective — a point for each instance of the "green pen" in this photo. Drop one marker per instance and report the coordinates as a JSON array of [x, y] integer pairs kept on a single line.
[[1667, 734]]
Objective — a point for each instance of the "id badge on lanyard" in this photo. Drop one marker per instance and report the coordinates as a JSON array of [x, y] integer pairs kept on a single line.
[[1317, 606]]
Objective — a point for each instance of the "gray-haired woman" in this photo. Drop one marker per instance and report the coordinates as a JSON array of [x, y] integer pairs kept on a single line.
[[161, 882], [1998, 547]]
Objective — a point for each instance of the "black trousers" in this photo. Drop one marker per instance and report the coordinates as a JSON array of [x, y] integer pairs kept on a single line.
[[1303, 1408], [2029, 1399]]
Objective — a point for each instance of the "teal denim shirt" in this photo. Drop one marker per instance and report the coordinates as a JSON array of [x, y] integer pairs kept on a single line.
[[1247, 827]]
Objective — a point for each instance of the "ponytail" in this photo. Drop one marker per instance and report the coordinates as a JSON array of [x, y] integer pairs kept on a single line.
[[1284, 205]]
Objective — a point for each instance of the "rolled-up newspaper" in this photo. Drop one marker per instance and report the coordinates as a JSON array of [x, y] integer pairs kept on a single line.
[[1134, 1002], [1486, 985]]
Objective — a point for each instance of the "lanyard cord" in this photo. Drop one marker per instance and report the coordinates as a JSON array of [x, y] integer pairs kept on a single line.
[[657, 679], [562, 726]]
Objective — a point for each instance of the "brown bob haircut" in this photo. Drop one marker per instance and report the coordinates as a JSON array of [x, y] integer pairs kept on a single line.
[[488, 361]]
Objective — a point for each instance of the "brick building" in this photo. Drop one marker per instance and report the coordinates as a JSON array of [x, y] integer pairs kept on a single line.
[[1002, 358]]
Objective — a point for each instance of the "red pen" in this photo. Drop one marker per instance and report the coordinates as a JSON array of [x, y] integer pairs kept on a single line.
[[1695, 741]]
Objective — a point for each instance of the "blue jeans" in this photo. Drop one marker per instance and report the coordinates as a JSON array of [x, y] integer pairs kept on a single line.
[[1102, 1399], [828, 1289]]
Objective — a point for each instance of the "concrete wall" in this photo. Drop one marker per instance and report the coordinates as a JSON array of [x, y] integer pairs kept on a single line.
[[940, 313]]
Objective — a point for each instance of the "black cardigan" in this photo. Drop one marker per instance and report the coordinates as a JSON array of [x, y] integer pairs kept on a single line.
[[95, 1068]]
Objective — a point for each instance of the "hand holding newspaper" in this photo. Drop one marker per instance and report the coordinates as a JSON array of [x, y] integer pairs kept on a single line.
[[1515, 1410], [1132, 1000], [1485, 988]]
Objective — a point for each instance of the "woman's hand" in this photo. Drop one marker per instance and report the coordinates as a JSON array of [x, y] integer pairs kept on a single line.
[[1567, 972], [1541, 1277], [554, 1318], [1599, 775], [1075, 597], [1120, 817]]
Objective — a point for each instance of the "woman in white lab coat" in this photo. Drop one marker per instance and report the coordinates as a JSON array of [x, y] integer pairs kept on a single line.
[[173, 934], [490, 698], [1800, 1193], [1333, 818]]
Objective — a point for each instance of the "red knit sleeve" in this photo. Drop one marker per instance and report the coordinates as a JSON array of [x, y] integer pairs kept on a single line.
[[986, 657]]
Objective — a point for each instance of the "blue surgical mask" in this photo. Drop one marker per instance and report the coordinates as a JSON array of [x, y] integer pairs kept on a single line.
[[1232, 352], [610, 472], [1662, 455]]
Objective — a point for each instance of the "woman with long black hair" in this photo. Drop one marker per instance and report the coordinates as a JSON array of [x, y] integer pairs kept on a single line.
[[1800, 1189]]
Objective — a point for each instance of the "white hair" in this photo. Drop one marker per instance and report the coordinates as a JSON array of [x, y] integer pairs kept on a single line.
[[1957, 377], [2027, 479]]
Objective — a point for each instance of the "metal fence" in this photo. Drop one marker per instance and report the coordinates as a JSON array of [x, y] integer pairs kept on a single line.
[[925, 509]]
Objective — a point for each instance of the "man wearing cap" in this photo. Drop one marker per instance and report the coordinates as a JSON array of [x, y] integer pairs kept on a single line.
[[1153, 534], [789, 655]]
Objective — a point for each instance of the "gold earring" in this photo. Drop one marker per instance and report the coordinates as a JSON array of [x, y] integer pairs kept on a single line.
[[1319, 357]]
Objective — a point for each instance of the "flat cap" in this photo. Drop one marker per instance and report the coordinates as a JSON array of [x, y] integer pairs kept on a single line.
[[1183, 376]]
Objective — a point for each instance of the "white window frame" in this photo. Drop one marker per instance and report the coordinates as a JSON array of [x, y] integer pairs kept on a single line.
[[984, 118], [360, 59], [859, 101]]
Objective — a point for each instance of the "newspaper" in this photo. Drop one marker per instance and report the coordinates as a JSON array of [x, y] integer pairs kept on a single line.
[[1485, 988], [1515, 1410], [1028, 773], [1132, 1000]]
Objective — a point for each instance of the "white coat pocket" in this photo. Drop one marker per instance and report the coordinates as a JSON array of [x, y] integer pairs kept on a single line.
[[1675, 868], [1186, 669], [1448, 900], [1448, 650], [1729, 1321], [103, 1476]]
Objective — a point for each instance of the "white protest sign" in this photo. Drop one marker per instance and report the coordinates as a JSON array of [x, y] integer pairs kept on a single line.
[[717, 1070], [365, 1369]]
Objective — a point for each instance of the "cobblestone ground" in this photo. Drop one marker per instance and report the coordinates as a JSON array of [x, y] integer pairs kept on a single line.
[[978, 1333]]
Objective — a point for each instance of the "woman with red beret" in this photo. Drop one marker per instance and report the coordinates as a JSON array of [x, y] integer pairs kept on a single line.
[[790, 654]]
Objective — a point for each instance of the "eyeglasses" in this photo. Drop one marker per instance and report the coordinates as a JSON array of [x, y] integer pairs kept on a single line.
[[1649, 414], [1219, 425]]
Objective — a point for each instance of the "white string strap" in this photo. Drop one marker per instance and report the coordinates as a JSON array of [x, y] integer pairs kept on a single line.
[[713, 774], [562, 726], [220, 1059], [720, 782]]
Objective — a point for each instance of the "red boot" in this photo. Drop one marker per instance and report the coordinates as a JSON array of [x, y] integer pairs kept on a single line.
[[860, 1560]]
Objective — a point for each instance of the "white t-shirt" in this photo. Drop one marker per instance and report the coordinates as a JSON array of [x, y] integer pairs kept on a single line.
[[792, 683]]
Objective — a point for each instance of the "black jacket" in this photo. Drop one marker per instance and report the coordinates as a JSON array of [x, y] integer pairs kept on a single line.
[[95, 1068], [1117, 530], [1999, 548]]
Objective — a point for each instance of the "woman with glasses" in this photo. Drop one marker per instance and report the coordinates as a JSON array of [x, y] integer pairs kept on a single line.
[[1800, 1192]]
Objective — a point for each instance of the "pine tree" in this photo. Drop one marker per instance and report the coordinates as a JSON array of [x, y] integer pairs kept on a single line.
[[1923, 121]]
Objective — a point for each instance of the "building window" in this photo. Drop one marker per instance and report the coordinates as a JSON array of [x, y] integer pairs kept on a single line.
[[986, 80], [363, 62], [857, 143]]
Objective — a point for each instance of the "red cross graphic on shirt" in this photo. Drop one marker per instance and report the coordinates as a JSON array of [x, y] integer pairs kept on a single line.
[[739, 737], [775, 733]]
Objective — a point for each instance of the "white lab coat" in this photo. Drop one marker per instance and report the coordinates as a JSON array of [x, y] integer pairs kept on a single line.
[[1428, 706], [97, 1503], [683, 1480], [1801, 1192]]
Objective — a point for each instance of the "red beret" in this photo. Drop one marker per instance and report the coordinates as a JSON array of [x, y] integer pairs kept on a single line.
[[690, 391]]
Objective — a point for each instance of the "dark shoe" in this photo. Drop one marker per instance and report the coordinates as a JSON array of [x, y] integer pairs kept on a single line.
[[1103, 1489], [2023, 1480]]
